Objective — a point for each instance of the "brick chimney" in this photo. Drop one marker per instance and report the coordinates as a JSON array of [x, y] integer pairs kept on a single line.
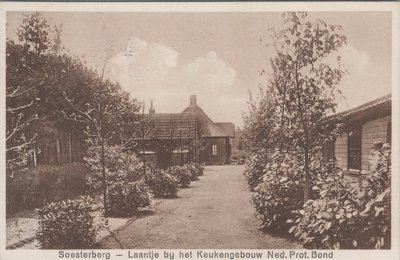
[[152, 110], [193, 100]]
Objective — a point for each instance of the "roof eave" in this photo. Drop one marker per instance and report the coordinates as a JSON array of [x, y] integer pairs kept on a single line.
[[373, 109]]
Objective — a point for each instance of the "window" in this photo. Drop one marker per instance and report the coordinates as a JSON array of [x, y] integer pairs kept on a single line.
[[354, 148], [214, 149]]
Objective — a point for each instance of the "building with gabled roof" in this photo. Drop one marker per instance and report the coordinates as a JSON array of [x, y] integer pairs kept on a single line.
[[188, 136], [363, 125]]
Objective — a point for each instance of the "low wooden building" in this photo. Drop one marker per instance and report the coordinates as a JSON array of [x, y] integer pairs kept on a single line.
[[56, 145], [364, 125], [183, 137]]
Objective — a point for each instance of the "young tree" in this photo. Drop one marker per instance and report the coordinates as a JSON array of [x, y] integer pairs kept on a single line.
[[303, 82], [104, 117]]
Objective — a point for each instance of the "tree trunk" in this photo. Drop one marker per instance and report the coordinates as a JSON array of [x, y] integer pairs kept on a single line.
[[144, 155], [58, 150], [144, 163], [190, 152], [34, 157], [194, 148], [306, 142], [103, 166], [181, 147], [69, 147], [307, 171], [144, 145]]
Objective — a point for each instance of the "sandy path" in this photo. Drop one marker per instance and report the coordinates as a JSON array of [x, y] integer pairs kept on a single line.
[[214, 212]]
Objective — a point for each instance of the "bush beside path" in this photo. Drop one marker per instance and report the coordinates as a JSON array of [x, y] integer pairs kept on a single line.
[[212, 213], [22, 226]]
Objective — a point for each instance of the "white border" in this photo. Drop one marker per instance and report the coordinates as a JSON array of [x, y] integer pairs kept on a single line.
[[394, 253]]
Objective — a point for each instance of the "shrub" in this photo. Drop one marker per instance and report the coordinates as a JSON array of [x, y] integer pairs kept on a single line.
[[121, 166], [66, 225], [332, 217], [280, 192], [200, 168], [70, 184], [125, 180], [195, 170], [35, 187], [162, 184], [376, 196], [126, 198], [349, 215], [255, 169], [182, 174]]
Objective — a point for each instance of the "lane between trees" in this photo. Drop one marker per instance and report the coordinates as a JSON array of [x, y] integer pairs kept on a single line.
[[214, 213]]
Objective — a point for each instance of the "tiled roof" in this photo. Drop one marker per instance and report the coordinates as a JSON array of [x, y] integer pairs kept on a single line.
[[174, 126], [207, 127], [186, 125], [228, 127]]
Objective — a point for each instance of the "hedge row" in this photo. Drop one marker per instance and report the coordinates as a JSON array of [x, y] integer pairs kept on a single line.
[[70, 224], [35, 187], [166, 183]]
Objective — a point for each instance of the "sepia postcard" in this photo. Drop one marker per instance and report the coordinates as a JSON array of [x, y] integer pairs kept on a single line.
[[240, 130]]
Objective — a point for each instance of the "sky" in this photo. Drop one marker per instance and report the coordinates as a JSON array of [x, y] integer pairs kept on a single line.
[[166, 57]]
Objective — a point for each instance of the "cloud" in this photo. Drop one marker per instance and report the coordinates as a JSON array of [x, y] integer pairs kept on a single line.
[[356, 63], [152, 71], [354, 60], [207, 74], [142, 65]]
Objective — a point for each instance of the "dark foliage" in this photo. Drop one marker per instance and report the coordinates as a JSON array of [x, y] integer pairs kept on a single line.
[[195, 170], [182, 174], [349, 215], [66, 225], [162, 184], [37, 186], [255, 169], [125, 199], [280, 192]]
